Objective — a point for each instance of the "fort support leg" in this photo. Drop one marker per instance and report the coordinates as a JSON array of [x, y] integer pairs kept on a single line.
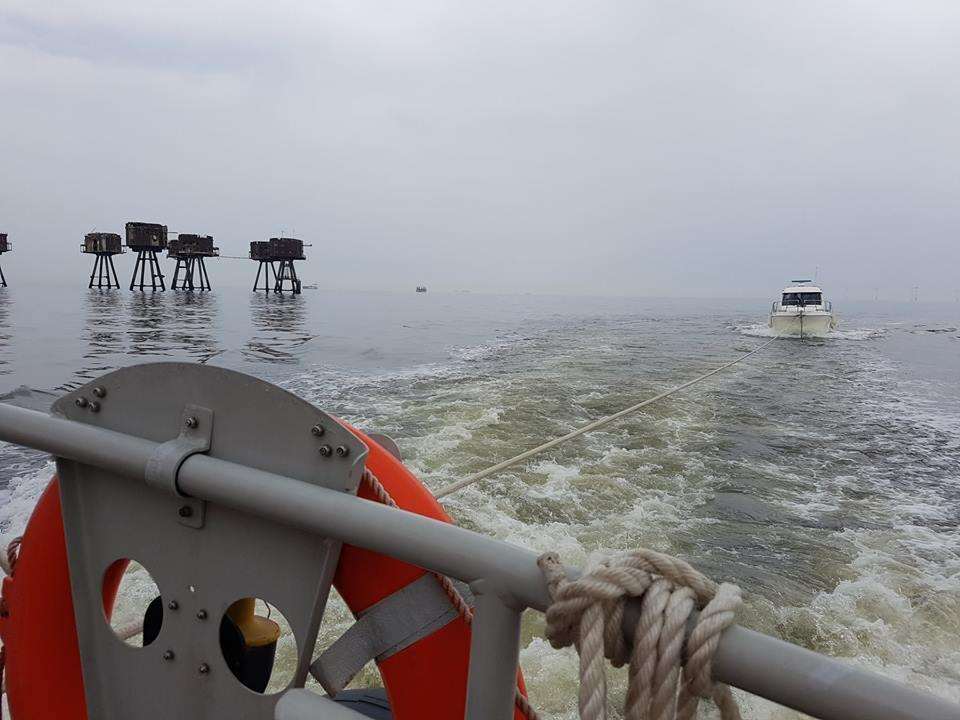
[[142, 263], [287, 273], [204, 277], [106, 273], [266, 266], [155, 265], [136, 267], [296, 280]]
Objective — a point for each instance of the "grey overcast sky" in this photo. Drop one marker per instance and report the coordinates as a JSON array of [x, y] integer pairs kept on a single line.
[[640, 147]]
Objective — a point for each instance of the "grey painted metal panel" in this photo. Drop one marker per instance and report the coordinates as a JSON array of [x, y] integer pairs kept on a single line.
[[234, 555]]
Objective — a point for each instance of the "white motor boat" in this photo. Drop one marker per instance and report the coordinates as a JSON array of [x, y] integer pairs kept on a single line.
[[801, 311]]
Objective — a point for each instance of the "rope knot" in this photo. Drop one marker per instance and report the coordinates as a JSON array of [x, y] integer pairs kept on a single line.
[[668, 672]]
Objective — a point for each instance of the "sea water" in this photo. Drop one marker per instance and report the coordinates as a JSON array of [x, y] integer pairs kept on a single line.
[[822, 475]]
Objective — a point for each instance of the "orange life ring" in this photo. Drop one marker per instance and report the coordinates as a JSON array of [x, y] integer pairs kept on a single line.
[[429, 678], [37, 626]]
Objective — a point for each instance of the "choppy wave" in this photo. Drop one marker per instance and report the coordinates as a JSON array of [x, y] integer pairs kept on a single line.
[[20, 496], [840, 333], [823, 567]]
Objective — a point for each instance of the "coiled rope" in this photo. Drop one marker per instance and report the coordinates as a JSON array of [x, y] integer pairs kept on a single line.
[[668, 671], [595, 425]]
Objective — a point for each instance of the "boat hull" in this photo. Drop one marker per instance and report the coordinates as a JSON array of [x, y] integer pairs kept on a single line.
[[806, 324]]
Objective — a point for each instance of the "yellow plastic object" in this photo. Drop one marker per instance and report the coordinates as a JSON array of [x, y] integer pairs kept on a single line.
[[257, 630]]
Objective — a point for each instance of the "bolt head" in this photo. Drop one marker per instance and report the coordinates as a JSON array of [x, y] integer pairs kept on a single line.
[[94, 406], [201, 614], [100, 391], [191, 422], [173, 605], [168, 655], [81, 402], [326, 451], [185, 511], [317, 430], [342, 451], [203, 669]]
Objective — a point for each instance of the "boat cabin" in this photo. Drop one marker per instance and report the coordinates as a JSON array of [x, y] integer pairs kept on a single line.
[[801, 295]]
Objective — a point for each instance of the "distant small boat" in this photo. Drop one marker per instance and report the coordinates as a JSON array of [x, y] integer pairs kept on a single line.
[[801, 311], [421, 288]]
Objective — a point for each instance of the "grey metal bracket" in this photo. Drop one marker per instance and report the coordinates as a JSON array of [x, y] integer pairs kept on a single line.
[[196, 429]]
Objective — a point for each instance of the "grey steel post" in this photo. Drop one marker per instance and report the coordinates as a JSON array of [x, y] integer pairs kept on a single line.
[[494, 655]]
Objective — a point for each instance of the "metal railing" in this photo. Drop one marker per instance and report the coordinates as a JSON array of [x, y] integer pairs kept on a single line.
[[505, 579]]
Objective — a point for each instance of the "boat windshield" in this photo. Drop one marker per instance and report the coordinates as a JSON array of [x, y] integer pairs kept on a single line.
[[804, 298]]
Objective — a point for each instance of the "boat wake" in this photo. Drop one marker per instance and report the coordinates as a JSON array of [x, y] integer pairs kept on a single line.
[[762, 330], [830, 497]]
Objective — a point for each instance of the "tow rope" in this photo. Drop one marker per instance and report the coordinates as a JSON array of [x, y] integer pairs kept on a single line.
[[595, 425]]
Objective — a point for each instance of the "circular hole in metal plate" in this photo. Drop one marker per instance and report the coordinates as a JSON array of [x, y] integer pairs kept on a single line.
[[258, 645], [135, 611]]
